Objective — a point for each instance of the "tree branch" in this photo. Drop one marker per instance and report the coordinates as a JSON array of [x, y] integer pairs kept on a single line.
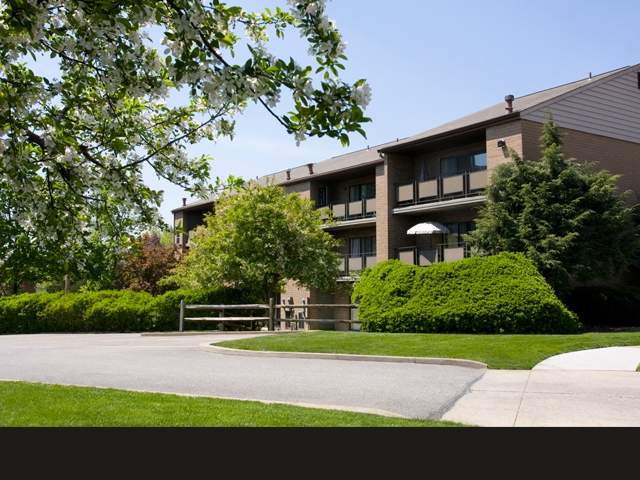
[[220, 58], [173, 141]]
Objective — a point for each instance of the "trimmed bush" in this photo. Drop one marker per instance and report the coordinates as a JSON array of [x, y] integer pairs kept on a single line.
[[499, 294], [105, 311], [67, 313], [20, 313], [129, 312]]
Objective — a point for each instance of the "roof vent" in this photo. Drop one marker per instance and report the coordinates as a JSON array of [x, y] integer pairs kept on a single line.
[[288, 174], [509, 99], [310, 166], [184, 202]]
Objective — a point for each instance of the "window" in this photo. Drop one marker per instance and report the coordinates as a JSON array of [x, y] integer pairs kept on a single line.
[[451, 166], [478, 162], [460, 164], [362, 246], [362, 192], [369, 245], [323, 197], [455, 237]]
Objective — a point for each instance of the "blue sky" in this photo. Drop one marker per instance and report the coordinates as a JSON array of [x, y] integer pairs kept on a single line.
[[429, 62]]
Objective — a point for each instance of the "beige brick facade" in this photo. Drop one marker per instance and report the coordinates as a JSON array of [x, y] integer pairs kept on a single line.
[[390, 228], [617, 156], [511, 133]]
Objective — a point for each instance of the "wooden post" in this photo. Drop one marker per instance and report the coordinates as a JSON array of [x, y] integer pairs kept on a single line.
[[181, 326], [271, 315]]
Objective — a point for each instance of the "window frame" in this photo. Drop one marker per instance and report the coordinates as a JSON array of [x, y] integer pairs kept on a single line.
[[364, 250], [323, 190], [465, 163], [366, 191]]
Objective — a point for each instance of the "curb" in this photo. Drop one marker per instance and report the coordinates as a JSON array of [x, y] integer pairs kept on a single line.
[[452, 362], [204, 333]]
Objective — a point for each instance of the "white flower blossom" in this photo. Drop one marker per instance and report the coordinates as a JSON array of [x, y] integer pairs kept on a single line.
[[362, 95], [299, 137]]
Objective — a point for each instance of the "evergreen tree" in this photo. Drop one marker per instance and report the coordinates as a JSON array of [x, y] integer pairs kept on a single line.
[[567, 216]]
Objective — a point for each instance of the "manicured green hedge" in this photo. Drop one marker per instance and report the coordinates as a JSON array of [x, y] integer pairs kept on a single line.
[[105, 311], [499, 294]]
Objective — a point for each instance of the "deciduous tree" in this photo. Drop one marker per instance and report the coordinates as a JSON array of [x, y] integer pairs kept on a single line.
[[146, 263], [259, 237]]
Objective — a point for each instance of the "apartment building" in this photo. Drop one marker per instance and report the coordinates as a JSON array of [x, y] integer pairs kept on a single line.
[[436, 179]]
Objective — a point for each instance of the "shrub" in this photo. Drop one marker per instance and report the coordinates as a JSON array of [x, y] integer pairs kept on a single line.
[[21, 313], [128, 312], [67, 313], [603, 306], [105, 311], [499, 294]]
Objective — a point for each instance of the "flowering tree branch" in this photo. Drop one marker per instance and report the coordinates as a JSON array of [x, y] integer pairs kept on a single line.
[[74, 137]]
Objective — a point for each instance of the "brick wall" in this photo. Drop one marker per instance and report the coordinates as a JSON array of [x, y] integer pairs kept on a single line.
[[617, 156], [340, 296], [304, 189], [391, 229], [512, 133]]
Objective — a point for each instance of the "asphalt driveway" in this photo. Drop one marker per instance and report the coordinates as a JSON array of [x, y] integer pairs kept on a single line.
[[182, 365]]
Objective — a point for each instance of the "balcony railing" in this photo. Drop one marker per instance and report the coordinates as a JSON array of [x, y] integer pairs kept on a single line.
[[354, 264], [424, 256], [365, 208], [442, 188]]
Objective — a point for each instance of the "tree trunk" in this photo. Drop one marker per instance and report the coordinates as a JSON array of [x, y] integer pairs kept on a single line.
[[67, 283]]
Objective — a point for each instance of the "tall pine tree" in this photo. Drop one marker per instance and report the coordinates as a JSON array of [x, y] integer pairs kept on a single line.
[[567, 216]]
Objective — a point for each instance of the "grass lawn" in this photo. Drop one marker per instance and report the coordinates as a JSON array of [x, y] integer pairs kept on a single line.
[[518, 352], [29, 404]]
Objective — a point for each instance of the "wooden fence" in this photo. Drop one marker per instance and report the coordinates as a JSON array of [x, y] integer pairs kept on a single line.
[[269, 318]]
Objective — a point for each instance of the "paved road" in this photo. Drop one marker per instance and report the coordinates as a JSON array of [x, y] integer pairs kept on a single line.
[[182, 365]]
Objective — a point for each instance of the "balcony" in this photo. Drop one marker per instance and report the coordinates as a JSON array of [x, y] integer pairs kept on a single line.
[[425, 257], [354, 210], [442, 188], [352, 214], [352, 265]]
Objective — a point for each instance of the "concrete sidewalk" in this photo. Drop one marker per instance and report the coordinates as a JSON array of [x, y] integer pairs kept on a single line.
[[588, 388], [623, 359], [553, 398]]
